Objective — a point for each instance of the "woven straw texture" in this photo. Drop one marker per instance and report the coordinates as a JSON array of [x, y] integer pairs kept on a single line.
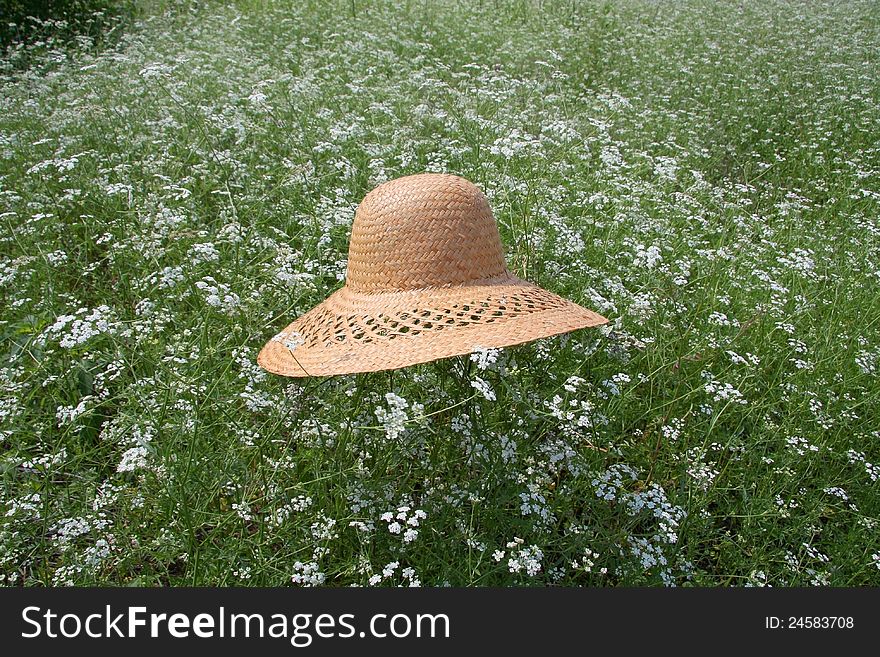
[[426, 280]]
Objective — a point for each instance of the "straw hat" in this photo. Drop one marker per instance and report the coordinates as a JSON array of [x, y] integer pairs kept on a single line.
[[426, 280]]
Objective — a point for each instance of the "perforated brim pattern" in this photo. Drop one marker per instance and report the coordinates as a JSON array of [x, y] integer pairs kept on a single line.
[[352, 332]]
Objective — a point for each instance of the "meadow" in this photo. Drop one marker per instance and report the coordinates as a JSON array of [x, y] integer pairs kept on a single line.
[[706, 175]]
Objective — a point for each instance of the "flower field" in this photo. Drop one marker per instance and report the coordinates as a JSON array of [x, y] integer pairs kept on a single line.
[[705, 175]]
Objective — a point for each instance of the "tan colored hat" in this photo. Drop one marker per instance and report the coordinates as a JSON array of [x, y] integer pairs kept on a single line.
[[426, 280]]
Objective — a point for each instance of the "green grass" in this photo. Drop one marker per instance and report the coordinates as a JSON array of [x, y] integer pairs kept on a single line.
[[31, 30], [703, 174]]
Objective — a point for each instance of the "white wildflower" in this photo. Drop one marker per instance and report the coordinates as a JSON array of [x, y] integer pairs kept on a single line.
[[133, 459], [485, 358], [483, 388]]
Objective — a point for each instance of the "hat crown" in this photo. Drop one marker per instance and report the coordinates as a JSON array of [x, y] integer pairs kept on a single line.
[[426, 230]]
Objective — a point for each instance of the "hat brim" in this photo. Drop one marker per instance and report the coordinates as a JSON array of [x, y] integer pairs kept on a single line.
[[351, 332]]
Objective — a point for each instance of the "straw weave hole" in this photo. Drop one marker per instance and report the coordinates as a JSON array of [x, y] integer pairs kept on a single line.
[[327, 328]]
